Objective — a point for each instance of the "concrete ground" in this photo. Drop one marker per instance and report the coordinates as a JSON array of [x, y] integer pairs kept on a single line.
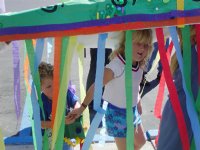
[[8, 121]]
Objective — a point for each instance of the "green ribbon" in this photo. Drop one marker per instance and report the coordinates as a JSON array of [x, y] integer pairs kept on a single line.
[[58, 129], [187, 70], [59, 141], [36, 80], [128, 85], [2, 145]]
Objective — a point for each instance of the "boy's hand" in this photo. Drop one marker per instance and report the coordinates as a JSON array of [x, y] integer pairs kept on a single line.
[[74, 114], [69, 120]]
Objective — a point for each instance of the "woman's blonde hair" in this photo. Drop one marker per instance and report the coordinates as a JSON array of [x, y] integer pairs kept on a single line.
[[174, 61], [141, 36], [45, 71]]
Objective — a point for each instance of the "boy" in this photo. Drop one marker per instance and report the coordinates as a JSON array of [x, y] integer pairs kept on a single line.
[[46, 80]]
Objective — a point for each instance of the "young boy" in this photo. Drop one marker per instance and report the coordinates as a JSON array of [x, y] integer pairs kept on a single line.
[[46, 80]]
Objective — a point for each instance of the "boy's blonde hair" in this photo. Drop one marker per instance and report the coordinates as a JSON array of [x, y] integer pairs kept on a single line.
[[141, 36], [45, 71], [174, 61]]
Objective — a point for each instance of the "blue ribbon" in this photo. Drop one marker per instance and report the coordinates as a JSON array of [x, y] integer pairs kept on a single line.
[[189, 105], [38, 53], [36, 118], [98, 91], [16, 70]]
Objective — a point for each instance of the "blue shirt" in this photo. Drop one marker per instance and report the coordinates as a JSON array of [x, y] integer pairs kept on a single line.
[[47, 104]]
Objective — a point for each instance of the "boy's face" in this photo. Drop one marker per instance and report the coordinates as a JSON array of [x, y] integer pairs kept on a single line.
[[47, 87]]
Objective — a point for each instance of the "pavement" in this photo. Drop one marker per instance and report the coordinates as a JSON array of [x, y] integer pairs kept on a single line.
[[10, 124]]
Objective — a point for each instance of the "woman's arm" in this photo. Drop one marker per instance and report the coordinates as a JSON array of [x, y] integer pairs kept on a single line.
[[77, 105], [108, 76]]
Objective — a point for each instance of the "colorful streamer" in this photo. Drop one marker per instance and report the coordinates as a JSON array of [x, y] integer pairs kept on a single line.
[[2, 145], [197, 27], [86, 120], [180, 4], [56, 74], [61, 104], [128, 86], [16, 70], [97, 91], [172, 92], [33, 58], [160, 96], [60, 141], [198, 53], [188, 85], [36, 129]]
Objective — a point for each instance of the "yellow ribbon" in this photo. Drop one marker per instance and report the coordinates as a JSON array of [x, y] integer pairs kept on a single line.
[[180, 6], [63, 88], [2, 145], [86, 120]]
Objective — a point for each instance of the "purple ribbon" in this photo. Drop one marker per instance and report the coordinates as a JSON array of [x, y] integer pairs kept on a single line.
[[16, 69]]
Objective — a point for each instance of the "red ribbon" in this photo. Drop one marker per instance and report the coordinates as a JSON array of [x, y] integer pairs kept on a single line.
[[197, 26], [56, 75], [161, 89], [172, 92]]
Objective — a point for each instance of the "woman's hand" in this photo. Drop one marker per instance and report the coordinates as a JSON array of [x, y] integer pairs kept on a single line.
[[139, 107]]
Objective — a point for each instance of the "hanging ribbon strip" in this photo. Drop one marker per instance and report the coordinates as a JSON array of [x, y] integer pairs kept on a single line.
[[2, 145], [38, 53], [128, 85], [56, 76], [198, 52], [97, 91], [180, 6], [86, 120], [59, 57], [16, 70], [161, 89], [187, 56], [59, 140], [172, 92], [28, 110], [61, 104], [36, 130], [26, 73], [189, 105], [33, 58]]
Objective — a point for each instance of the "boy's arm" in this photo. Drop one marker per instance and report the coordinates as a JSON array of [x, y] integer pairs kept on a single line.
[[45, 124]]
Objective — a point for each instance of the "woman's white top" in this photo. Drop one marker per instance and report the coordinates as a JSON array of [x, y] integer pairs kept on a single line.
[[115, 92]]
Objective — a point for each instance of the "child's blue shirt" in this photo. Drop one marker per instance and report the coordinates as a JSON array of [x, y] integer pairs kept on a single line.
[[47, 104]]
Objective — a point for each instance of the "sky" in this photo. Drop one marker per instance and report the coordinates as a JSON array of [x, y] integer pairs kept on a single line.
[[19, 5]]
